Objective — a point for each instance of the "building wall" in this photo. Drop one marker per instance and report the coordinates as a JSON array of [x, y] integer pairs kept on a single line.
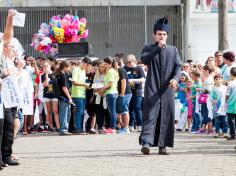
[[112, 29], [37, 3], [202, 33]]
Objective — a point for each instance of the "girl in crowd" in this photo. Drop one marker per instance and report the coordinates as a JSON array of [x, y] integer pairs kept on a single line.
[[181, 95], [100, 100], [110, 90], [189, 104], [49, 98], [206, 108]]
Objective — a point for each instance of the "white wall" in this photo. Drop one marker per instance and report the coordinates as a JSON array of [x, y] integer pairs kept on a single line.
[[202, 34]]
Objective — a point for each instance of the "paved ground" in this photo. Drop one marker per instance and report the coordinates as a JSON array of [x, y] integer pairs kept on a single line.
[[120, 155]]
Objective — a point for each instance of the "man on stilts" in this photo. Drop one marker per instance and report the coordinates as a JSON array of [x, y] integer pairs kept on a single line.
[[164, 69]]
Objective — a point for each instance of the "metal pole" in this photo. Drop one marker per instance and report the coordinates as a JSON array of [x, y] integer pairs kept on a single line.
[[223, 25], [182, 32], [145, 23]]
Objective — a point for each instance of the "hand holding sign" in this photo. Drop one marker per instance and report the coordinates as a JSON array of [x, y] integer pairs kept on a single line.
[[18, 19]]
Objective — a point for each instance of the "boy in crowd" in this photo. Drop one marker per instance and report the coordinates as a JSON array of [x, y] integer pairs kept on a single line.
[[196, 88], [231, 103], [218, 98], [79, 93]]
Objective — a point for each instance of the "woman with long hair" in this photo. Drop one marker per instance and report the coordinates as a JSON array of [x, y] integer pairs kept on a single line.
[[101, 111], [49, 97], [110, 90]]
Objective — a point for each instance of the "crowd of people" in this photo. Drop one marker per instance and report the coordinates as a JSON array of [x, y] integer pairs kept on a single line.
[[205, 100], [105, 96]]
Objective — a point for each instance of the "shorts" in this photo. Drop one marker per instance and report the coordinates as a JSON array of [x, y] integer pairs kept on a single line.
[[122, 104], [50, 99]]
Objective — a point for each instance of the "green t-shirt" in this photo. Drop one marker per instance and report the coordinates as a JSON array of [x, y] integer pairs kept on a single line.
[[79, 76], [111, 75], [231, 93], [196, 84]]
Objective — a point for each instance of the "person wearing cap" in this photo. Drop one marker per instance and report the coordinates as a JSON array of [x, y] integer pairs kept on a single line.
[[164, 70]]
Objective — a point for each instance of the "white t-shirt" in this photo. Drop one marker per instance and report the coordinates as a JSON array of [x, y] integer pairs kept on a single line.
[[30, 71]]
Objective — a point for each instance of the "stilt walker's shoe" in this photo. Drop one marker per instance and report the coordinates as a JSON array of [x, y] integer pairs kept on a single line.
[[163, 151], [145, 149]]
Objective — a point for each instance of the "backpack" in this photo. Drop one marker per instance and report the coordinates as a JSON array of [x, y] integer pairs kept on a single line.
[[203, 98], [55, 86]]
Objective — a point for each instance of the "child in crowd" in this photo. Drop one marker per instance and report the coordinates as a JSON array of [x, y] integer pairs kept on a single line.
[[189, 104], [206, 108], [196, 87], [218, 99], [181, 95], [231, 103]]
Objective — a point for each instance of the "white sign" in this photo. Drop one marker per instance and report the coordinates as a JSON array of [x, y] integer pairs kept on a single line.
[[10, 95], [19, 19]]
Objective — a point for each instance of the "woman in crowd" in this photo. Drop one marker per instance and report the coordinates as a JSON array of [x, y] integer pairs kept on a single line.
[[229, 60], [212, 63], [110, 90], [50, 100], [102, 113], [206, 108]]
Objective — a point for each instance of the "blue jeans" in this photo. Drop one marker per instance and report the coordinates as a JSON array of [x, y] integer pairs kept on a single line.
[[135, 110], [231, 123], [64, 115], [196, 120], [111, 106], [122, 104], [21, 118], [204, 113], [79, 114], [221, 122]]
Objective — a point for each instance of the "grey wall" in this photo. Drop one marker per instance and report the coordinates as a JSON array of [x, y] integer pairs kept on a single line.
[[37, 3], [112, 29]]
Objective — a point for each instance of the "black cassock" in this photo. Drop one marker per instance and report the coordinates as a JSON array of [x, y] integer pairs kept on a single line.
[[163, 64]]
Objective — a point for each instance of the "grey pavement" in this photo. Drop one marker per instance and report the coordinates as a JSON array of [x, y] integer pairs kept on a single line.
[[86, 155]]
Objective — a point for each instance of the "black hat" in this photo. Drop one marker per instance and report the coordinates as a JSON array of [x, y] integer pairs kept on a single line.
[[161, 25]]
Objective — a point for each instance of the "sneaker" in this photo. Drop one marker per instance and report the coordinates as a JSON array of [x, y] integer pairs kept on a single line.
[[187, 130], [92, 131], [11, 162], [225, 135], [201, 131], [131, 128], [218, 135], [123, 131], [65, 133], [79, 132], [111, 131], [145, 149], [231, 138], [31, 130], [139, 128], [179, 129], [210, 132], [103, 131]]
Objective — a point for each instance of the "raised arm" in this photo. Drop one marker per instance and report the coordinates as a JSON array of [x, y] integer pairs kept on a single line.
[[148, 53], [9, 32]]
